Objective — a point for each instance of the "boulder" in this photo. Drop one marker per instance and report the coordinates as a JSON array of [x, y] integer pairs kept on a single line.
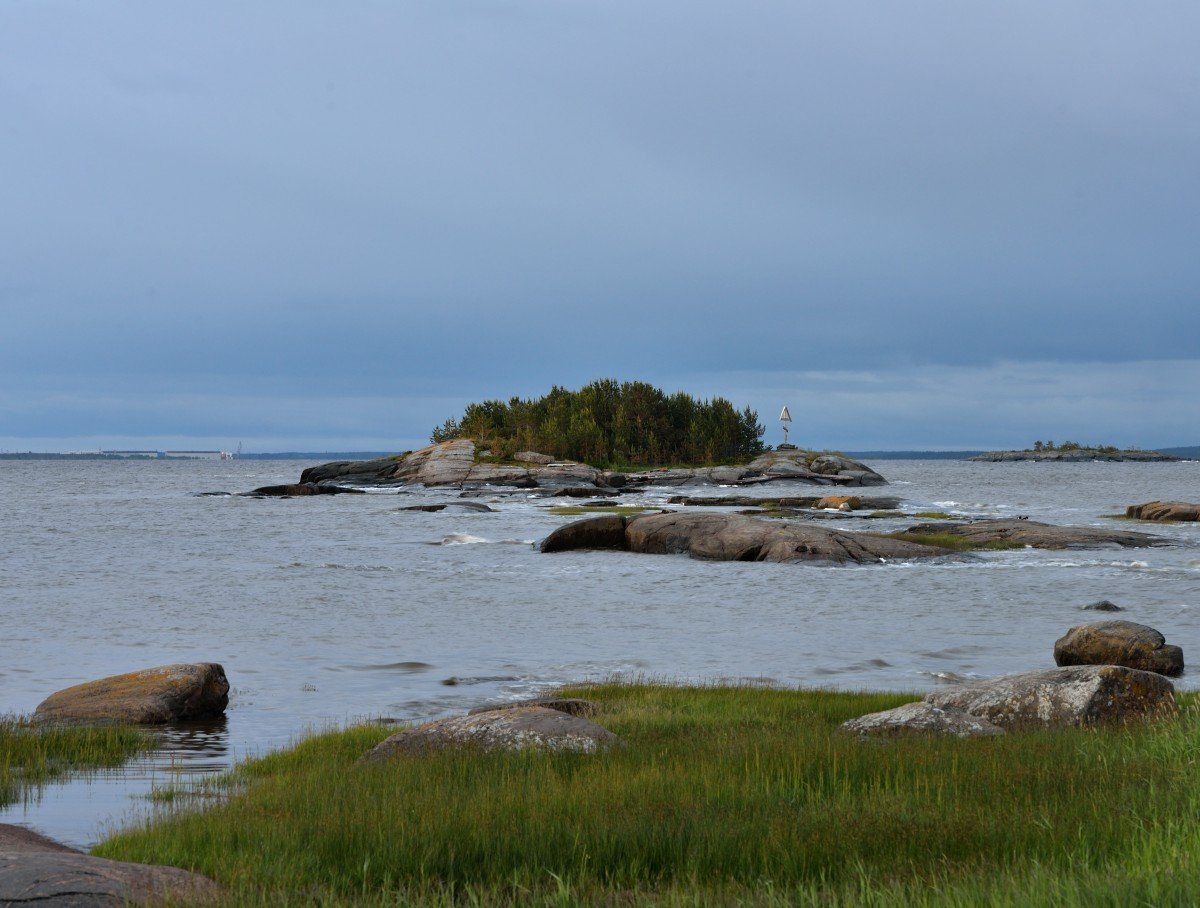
[[1039, 535], [730, 537], [515, 729], [1080, 695], [1103, 606], [572, 706], [533, 457], [823, 468], [1119, 643], [297, 490], [169, 693], [839, 503], [1164, 510], [920, 718]]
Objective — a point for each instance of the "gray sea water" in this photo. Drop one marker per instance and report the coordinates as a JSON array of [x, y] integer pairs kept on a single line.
[[330, 609]]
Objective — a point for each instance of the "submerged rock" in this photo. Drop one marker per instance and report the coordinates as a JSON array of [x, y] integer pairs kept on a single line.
[[1061, 697], [514, 729], [1103, 606], [298, 490], [1164, 511], [1119, 643], [169, 693], [921, 718], [730, 537], [1037, 535], [572, 706]]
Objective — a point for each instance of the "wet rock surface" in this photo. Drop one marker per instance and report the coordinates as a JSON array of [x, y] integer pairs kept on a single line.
[[1119, 643], [153, 696], [730, 537], [921, 718], [35, 870], [1063, 697], [1039, 535], [298, 490], [1167, 511], [514, 729]]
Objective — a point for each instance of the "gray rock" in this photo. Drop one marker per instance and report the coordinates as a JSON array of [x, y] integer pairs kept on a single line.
[[533, 457], [1119, 643], [505, 729], [168, 693], [730, 537], [1062, 697], [1103, 606], [299, 490], [1039, 535], [38, 870], [572, 706], [920, 718]]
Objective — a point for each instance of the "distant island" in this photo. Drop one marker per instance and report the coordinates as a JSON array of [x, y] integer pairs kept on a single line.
[[1070, 451]]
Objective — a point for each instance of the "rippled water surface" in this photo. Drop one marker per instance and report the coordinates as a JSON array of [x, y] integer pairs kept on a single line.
[[328, 609]]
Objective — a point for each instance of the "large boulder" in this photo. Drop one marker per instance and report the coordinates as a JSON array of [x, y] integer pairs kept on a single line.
[[730, 537], [169, 693], [1164, 510], [822, 468], [1079, 695], [1119, 643], [37, 870], [921, 718], [522, 728], [1038, 535]]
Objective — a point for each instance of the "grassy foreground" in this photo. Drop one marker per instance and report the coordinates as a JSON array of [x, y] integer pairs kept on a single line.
[[722, 796], [32, 753]]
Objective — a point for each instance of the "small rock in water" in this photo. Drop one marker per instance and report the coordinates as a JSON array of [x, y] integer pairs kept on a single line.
[[152, 696], [1119, 643], [1103, 606]]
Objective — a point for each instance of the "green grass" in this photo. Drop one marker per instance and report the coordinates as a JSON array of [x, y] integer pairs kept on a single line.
[[882, 514], [955, 543], [33, 753], [934, 515], [721, 796], [574, 510]]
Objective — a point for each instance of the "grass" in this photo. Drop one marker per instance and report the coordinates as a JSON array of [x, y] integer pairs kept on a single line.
[[875, 515], [934, 515], [574, 510], [33, 753], [723, 795], [955, 543]]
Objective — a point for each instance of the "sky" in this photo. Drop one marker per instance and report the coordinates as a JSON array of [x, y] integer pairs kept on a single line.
[[328, 227]]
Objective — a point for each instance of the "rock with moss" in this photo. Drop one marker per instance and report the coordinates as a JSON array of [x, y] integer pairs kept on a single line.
[[522, 728], [1119, 643], [1079, 695], [152, 696], [1166, 511], [980, 533], [921, 718], [731, 537]]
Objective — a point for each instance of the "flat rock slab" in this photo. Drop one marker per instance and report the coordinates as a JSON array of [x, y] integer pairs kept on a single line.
[[18, 838], [1119, 643], [1061, 697], [1039, 535], [731, 537], [921, 718], [66, 878], [1164, 511], [572, 706], [517, 729], [758, 501], [299, 490], [169, 693]]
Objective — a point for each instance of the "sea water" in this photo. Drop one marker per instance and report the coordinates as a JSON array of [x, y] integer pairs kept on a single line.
[[333, 609]]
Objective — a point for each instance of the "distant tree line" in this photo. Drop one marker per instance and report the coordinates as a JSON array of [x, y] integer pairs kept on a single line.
[[612, 424], [1073, 446]]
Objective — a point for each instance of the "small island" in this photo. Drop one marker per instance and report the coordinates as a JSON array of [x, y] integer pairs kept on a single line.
[[1073, 452]]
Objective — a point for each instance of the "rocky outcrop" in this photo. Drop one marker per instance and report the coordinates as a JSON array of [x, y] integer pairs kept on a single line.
[[791, 465], [572, 706], [298, 490], [730, 537], [1037, 535], [1075, 455], [921, 718], [1119, 643], [169, 693], [522, 728], [37, 870], [1164, 511], [793, 501], [1062, 697]]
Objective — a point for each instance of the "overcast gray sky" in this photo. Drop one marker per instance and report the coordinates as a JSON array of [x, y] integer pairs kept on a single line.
[[324, 226]]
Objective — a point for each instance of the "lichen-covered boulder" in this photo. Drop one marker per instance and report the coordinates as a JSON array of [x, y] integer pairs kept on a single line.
[[572, 706], [1119, 643], [1062, 697], [920, 718], [169, 693], [526, 727], [1164, 510], [35, 870]]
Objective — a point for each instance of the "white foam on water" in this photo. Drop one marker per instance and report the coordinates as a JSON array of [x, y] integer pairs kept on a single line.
[[462, 539]]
